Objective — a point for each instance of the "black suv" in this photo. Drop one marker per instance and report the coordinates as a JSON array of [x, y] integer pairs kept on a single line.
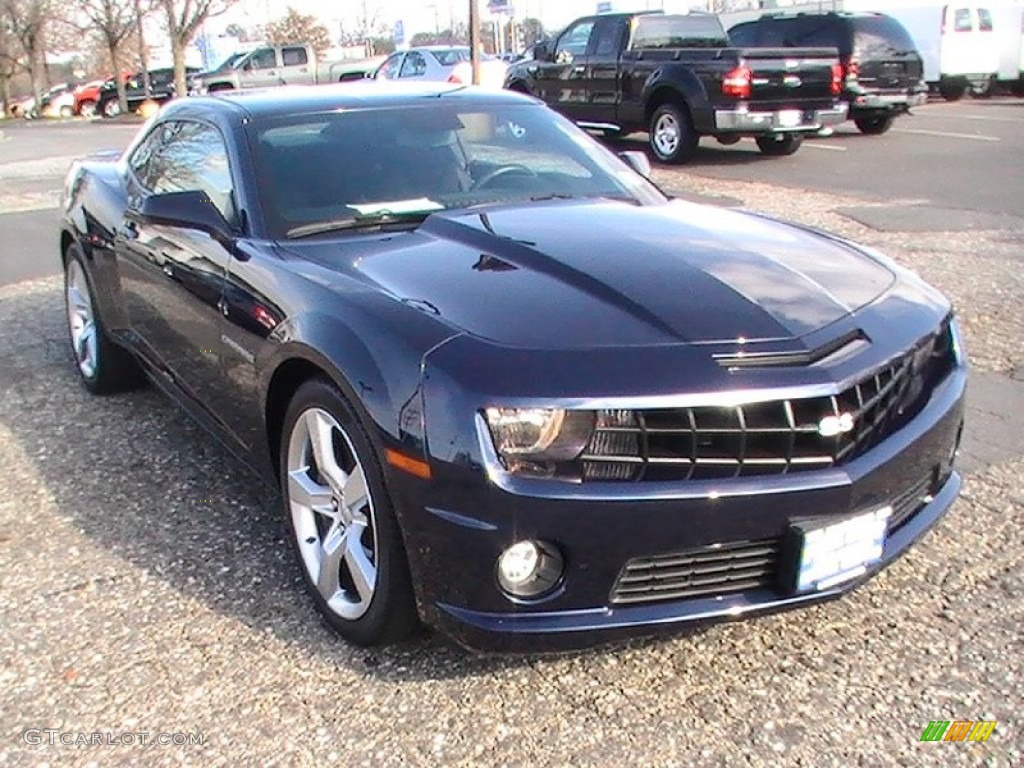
[[883, 74], [161, 83]]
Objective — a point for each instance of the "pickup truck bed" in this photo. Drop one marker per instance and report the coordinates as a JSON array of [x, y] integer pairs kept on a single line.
[[628, 76]]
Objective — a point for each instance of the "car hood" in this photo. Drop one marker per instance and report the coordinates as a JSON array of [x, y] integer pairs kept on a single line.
[[571, 274]]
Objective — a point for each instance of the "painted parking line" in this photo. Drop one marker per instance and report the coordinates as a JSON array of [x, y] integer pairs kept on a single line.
[[982, 118], [829, 147], [946, 134]]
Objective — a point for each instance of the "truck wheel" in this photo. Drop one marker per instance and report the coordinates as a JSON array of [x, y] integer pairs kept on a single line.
[[672, 137], [952, 90], [983, 90], [875, 125], [781, 144], [87, 108], [110, 108]]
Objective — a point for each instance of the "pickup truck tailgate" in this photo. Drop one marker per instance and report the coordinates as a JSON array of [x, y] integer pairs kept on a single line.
[[782, 77]]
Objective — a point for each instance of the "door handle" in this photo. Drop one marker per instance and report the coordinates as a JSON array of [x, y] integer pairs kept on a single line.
[[578, 70]]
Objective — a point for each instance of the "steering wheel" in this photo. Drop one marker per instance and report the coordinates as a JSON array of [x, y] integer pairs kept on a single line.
[[504, 171]]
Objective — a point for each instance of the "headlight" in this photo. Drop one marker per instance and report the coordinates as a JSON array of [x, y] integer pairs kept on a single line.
[[539, 435]]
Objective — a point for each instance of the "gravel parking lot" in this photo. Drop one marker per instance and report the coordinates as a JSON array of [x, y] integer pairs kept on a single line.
[[146, 586]]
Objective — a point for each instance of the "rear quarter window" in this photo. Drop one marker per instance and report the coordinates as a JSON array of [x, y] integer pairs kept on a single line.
[[984, 20], [804, 32], [881, 36]]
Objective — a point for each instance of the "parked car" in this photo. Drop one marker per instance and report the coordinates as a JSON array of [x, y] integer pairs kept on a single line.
[[161, 82], [59, 101], [440, 64], [963, 45], [680, 78], [25, 107], [87, 96], [503, 383], [279, 65], [883, 74]]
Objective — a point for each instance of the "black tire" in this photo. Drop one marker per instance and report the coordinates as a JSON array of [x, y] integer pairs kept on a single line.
[[518, 87], [115, 369], [953, 90], [984, 90], [87, 108], [391, 615], [874, 125], [780, 144], [671, 134], [109, 108]]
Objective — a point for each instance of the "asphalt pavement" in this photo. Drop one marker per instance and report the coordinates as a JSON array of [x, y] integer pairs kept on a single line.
[[145, 585]]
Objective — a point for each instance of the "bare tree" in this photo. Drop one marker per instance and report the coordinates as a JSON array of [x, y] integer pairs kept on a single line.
[[27, 21], [184, 17], [11, 58], [140, 17], [113, 21]]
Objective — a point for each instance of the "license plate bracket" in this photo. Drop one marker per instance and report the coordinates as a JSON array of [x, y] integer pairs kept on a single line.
[[821, 553]]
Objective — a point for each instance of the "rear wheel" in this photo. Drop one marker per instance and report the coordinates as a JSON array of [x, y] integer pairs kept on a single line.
[[341, 521], [874, 125], [67, 111], [780, 144], [103, 365], [984, 89], [672, 136], [952, 90]]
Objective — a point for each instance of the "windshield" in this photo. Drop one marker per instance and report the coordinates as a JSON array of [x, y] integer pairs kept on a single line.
[[230, 61], [369, 163]]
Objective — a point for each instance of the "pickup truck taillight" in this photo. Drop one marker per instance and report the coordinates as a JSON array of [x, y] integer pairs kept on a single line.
[[837, 79], [851, 70], [738, 83]]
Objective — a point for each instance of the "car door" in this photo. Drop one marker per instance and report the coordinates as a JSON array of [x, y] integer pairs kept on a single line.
[[260, 70], [561, 79], [173, 277], [602, 78], [296, 68], [390, 68]]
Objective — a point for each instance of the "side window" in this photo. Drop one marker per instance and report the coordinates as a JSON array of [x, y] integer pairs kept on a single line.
[[265, 58], [744, 35], [962, 20], [294, 57], [606, 39], [141, 160], [984, 20], [193, 156], [389, 69], [415, 65], [573, 42]]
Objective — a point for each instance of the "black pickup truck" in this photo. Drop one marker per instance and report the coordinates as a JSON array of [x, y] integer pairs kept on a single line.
[[678, 78]]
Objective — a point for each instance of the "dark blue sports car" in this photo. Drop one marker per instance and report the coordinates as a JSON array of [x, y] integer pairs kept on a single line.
[[505, 385]]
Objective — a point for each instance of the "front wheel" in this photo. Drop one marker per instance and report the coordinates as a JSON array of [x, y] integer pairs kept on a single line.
[[111, 108], [673, 139], [87, 109], [875, 125], [341, 521], [105, 367], [780, 144]]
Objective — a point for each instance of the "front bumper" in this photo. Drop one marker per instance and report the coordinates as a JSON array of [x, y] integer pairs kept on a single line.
[[746, 121], [461, 525]]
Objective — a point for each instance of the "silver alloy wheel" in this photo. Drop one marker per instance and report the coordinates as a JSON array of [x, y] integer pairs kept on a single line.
[[332, 513], [87, 109], [667, 135], [81, 320], [112, 108]]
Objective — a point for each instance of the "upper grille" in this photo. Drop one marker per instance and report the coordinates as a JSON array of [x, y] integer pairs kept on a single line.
[[770, 438]]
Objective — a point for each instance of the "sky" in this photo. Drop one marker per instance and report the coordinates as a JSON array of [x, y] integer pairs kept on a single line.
[[421, 15]]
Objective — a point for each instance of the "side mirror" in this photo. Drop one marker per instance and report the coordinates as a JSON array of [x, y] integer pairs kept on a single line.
[[191, 210], [638, 161]]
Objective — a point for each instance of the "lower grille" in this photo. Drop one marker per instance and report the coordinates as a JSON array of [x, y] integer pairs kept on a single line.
[[910, 502], [725, 569], [715, 570]]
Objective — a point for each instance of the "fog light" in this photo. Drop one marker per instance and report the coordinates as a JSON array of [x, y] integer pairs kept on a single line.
[[529, 568]]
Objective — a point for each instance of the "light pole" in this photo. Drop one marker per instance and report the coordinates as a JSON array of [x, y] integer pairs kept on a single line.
[[474, 39]]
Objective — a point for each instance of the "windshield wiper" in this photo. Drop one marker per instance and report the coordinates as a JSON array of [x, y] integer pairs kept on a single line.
[[364, 221]]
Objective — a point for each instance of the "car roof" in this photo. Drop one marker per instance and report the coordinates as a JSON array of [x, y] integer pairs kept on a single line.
[[298, 99]]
